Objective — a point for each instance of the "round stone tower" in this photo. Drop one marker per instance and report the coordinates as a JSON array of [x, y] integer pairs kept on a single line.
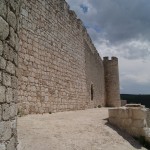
[[112, 90]]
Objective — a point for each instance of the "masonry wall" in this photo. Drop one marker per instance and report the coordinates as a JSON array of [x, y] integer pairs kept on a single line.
[[133, 120], [9, 13], [94, 76], [54, 60]]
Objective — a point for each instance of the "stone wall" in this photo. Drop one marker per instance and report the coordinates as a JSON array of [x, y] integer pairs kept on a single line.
[[9, 13], [94, 76], [54, 60], [112, 88], [131, 119]]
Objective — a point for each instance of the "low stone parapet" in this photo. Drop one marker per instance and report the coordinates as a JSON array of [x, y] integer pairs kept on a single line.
[[132, 119]]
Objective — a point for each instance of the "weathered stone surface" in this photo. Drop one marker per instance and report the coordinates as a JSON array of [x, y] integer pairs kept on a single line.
[[10, 68], [12, 41], [139, 123], [8, 64], [4, 29], [2, 146], [111, 75], [1, 48], [14, 82], [15, 58], [14, 126], [11, 144], [5, 130], [3, 8], [6, 111], [0, 113], [53, 75], [9, 95], [12, 19], [6, 79], [9, 53], [2, 63], [131, 119], [139, 113], [24, 12], [13, 110], [0, 76], [2, 93]]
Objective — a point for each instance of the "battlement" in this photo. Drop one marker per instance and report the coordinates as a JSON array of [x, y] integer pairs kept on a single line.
[[75, 21], [111, 59]]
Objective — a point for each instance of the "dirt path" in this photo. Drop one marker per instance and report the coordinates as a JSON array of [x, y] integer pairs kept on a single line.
[[79, 130]]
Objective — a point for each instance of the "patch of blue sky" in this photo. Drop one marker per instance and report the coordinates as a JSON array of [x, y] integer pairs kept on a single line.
[[84, 8]]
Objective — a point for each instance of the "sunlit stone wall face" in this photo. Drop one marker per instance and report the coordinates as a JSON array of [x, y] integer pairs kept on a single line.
[[55, 59]]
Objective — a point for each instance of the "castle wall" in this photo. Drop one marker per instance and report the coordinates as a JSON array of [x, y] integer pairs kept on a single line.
[[54, 60], [9, 13], [112, 89], [95, 76]]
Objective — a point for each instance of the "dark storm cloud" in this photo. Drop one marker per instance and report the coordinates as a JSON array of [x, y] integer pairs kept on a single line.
[[122, 20]]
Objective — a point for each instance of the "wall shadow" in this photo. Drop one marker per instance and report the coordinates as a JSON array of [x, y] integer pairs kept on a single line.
[[125, 135]]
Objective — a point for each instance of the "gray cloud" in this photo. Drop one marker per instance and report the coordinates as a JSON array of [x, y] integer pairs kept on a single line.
[[121, 28], [122, 19]]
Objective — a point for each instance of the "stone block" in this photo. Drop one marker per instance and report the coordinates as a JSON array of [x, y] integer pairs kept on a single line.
[[0, 76], [123, 113], [2, 93], [24, 12], [3, 9], [147, 134], [11, 54], [2, 146], [15, 58], [2, 63], [13, 110], [15, 95], [6, 79], [1, 48], [13, 4], [113, 112], [113, 120], [14, 126], [14, 82], [12, 40], [5, 130], [126, 123], [9, 95], [6, 111], [11, 18], [4, 29], [0, 113], [139, 123], [6, 51], [139, 113], [11, 145], [10, 68]]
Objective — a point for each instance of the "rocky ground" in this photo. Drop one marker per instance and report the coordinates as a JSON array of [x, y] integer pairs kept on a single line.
[[78, 130]]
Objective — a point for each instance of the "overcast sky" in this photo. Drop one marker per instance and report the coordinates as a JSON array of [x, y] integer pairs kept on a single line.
[[121, 28]]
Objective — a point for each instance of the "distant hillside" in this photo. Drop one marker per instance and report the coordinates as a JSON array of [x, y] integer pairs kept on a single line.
[[142, 99]]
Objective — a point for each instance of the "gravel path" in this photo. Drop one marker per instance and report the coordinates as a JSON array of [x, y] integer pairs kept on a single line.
[[78, 130]]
